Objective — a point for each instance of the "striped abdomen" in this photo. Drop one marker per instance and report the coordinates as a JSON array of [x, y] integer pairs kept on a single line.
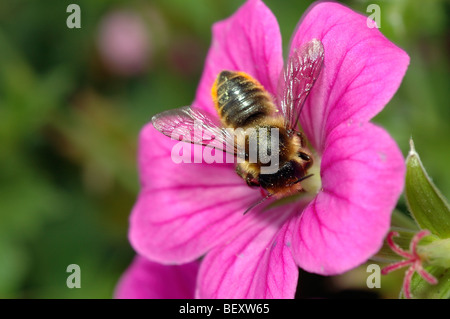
[[240, 100]]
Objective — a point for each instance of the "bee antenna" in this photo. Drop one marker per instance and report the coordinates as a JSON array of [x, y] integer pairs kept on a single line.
[[257, 203], [303, 178]]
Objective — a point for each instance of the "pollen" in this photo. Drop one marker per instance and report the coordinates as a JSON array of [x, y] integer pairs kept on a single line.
[[214, 95]]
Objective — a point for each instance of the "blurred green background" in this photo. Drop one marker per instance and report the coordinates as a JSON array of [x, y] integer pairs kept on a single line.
[[72, 104]]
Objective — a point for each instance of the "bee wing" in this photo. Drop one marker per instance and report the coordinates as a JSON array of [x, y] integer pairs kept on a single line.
[[302, 70], [196, 127]]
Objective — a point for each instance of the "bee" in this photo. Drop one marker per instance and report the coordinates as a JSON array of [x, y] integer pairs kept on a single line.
[[242, 102]]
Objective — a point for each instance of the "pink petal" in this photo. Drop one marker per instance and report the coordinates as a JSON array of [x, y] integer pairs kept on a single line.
[[362, 70], [248, 41], [362, 177], [185, 209], [148, 280], [256, 264]]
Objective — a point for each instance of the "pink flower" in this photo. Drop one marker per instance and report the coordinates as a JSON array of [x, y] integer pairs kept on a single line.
[[148, 280], [186, 211], [124, 43]]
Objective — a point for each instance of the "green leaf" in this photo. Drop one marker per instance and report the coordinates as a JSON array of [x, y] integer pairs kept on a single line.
[[425, 202], [14, 266]]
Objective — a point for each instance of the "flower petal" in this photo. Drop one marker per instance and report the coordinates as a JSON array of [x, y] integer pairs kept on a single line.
[[256, 264], [185, 209], [248, 41], [362, 177], [362, 70], [148, 280]]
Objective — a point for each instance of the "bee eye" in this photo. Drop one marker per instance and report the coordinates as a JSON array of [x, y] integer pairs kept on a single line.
[[304, 156]]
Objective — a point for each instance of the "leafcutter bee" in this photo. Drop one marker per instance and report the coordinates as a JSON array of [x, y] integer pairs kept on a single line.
[[243, 105]]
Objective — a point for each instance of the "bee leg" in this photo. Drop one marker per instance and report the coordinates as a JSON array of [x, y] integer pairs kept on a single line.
[[264, 193], [249, 179]]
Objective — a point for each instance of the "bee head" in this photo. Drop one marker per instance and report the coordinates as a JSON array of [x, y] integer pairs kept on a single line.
[[287, 174], [305, 159]]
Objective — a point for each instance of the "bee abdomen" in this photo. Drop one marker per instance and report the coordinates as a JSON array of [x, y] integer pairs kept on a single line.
[[240, 100]]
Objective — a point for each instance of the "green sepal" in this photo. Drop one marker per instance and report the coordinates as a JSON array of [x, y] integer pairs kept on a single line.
[[425, 202], [387, 255], [422, 289], [403, 221], [436, 253]]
